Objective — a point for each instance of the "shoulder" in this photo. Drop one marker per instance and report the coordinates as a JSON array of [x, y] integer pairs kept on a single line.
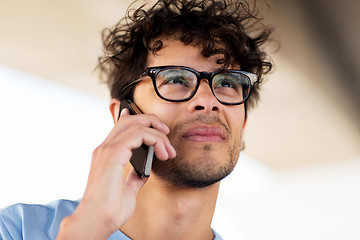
[[34, 221]]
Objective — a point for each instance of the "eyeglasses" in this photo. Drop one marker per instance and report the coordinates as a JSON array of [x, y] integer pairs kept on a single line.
[[179, 84]]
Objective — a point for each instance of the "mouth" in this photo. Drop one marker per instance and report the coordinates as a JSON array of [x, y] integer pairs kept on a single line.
[[205, 134]]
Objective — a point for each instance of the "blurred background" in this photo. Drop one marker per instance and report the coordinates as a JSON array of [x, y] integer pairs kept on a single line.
[[299, 175]]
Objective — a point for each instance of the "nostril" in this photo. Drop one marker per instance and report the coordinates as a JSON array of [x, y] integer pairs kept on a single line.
[[199, 107]]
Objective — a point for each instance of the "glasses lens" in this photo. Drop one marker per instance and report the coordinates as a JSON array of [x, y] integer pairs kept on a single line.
[[231, 87], [176, 84]]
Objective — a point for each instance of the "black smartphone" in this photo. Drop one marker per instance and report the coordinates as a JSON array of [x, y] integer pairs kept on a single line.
[[142, 157]]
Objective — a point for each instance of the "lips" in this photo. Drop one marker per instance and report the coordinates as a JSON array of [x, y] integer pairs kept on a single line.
[[205, 134]]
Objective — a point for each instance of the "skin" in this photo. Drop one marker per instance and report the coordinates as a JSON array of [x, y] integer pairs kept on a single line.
[[113, 198]]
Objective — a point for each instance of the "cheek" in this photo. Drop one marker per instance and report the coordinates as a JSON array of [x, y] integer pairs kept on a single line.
[[237, 131], [147, 100], [237, 123], [166, 112], [144, 96]]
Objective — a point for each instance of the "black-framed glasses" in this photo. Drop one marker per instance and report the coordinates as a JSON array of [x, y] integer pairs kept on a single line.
[[180, 84]]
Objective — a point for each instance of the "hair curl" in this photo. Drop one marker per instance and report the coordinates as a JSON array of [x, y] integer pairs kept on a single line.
[[229, 28]]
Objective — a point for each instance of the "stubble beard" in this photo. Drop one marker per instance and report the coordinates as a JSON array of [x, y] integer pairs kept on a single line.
[[199, 172]]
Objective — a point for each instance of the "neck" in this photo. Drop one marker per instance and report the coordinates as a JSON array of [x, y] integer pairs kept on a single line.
[[167, 212]]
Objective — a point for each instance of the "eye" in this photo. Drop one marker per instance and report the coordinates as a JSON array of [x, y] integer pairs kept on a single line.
[[175, 80], [225, 82]]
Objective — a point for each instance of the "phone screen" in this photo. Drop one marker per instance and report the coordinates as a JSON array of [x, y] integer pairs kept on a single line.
[[142, 157]]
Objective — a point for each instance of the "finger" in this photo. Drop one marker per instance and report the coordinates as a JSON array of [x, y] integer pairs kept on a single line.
[[163, 149], [171, 151], [135, 136], [126, 121], [124, 112], [134, 182], [132, 185], [148, 120]]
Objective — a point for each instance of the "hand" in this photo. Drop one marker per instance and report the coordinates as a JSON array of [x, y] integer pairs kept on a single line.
[[109, 200]]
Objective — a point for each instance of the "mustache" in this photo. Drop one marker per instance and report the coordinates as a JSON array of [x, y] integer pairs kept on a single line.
[[201, 119]]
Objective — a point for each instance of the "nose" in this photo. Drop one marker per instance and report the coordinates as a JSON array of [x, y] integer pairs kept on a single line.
[[204, 100]]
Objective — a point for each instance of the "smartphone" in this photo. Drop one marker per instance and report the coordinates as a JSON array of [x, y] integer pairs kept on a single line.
[[142, 157]]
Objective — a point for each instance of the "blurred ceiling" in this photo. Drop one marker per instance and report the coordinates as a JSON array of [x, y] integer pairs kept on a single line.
[[310, 107]]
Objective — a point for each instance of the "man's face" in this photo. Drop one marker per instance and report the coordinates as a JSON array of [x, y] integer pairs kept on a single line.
[[205, 134]]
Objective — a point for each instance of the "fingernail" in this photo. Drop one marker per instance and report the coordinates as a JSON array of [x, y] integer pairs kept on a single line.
[[123, 111], [166, 127], [173, 151]]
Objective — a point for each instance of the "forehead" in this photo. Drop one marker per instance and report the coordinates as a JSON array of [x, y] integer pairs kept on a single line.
[[174, 52]]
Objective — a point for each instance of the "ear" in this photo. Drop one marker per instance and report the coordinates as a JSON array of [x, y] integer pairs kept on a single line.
[[114, 109]]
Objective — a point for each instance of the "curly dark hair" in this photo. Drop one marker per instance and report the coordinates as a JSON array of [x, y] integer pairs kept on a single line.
[[229, 28]]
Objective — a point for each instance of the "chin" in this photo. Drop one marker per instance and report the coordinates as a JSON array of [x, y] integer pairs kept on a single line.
[[198, 172]]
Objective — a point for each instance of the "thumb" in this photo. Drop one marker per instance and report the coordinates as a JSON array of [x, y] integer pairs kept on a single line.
[[133, 182]]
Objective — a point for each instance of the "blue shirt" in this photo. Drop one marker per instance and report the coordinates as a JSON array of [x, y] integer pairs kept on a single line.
[[40, 222]]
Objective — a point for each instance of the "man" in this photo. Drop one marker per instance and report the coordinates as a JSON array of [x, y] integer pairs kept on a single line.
[[190, 67]]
